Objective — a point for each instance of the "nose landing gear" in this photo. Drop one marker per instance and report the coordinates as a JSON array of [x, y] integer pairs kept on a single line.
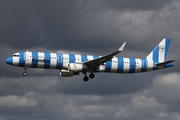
[[24, 73]]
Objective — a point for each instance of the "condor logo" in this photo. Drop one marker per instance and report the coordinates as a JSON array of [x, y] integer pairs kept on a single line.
[[162, 48], [41, 60]]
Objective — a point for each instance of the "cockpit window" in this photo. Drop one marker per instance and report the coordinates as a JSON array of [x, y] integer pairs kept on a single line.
[[15, 55]]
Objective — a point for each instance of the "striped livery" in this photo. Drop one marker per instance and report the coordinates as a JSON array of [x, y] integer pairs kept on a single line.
[[72, 63]]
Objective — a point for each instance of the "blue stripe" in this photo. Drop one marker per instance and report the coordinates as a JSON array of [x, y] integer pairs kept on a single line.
[[59, 61], [108, 66], [132, 65], [34, 57], [155, 67], [9, 60], [120, 65], [71, 58], [21, 59], [84, 58], [168, 41], [156, 54], [144, 65], [169, 65], [95, 57], [47, 60]]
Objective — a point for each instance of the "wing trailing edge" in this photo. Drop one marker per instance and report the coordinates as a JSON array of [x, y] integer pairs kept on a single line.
[[105, 58]]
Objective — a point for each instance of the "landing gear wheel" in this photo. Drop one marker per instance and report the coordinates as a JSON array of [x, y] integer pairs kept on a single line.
[[91, 76], [85, 79], [24, 73]]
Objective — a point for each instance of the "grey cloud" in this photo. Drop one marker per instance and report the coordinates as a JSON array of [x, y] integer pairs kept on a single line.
[[137, 4], [58, 104], [132, 5], [58, 24], [16, 101], [166, 90]]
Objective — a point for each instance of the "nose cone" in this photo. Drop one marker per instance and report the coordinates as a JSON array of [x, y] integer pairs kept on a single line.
[[9, 60]]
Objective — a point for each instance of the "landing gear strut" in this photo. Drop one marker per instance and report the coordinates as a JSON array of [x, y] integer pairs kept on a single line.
[[24, 73], [85, 77]]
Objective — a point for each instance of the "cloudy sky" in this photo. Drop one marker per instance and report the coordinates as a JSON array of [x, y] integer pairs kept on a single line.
[[89, 27]]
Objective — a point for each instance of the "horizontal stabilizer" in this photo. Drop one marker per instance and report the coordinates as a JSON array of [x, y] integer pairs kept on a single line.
[[164, 63]]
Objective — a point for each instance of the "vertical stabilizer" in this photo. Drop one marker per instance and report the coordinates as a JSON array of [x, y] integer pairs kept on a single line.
[[160, 51]]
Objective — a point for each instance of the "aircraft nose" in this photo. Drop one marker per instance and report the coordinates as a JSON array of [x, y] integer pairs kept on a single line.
[[9, 60]]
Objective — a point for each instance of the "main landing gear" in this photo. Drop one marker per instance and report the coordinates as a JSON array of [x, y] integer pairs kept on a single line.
[[91, 76], [24, 73]]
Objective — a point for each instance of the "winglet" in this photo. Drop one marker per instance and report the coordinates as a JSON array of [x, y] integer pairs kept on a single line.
[[122, 47]]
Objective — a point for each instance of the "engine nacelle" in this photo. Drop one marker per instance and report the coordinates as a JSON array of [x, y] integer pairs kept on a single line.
[[74, 67], [67, 73]]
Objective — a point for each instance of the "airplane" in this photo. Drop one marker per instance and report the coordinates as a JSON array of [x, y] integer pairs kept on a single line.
[[73, 64]]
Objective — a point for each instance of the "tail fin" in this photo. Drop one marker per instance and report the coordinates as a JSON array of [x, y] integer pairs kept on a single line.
[[160, 51]]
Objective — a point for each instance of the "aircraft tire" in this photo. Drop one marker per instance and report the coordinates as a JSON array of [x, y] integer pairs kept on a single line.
[[85, 79], [24, 74], [91, 75]]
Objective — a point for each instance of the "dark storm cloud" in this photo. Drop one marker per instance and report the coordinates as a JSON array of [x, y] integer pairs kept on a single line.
[[122, 84], [55, 25], [136, 4], [28, 23], [58, 24], [93, 27]]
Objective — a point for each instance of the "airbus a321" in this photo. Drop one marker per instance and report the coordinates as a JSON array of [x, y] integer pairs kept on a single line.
[[73, 64]]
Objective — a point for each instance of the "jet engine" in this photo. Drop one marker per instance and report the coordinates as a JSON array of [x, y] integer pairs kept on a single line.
[[67, 73]]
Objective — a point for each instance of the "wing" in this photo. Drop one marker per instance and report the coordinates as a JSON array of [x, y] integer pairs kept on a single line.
[[101, 60]]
